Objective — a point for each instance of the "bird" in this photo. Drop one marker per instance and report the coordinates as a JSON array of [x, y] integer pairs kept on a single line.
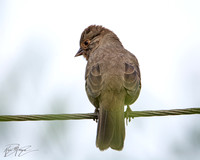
[[112, 81]]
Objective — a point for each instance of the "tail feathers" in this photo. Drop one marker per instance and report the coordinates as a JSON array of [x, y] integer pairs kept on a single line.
[[111, 129]]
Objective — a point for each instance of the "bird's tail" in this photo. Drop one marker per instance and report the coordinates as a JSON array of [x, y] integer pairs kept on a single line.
[[111, 129]]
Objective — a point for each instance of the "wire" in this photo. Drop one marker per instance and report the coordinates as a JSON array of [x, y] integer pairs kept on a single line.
[[129, 114]]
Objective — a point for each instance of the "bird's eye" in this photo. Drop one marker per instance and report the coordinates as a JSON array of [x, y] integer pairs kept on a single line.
[[86, 43]]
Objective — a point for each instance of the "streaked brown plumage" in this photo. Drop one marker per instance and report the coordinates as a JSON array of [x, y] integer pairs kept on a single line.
[[112, 81]]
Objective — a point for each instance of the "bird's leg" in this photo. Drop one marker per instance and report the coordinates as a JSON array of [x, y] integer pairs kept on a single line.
[[127, 112], [96, 111]]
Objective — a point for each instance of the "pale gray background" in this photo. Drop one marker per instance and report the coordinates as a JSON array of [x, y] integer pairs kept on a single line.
[[39, 75]]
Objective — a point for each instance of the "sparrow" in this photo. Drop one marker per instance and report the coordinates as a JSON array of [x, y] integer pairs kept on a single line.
[[112, 80]]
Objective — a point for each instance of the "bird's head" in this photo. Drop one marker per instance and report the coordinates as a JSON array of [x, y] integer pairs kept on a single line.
[[90, 40]]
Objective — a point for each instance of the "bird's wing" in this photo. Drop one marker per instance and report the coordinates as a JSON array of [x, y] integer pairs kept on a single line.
[[93, 83], [132, 79]]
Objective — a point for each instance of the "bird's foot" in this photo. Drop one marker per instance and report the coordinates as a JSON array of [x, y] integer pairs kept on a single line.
[[127, 112], [96, 111]]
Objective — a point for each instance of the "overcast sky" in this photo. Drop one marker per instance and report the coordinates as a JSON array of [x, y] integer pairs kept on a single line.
[[39, 74]]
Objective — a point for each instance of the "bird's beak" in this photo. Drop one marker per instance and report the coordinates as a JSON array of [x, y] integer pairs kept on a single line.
[[79, 53]]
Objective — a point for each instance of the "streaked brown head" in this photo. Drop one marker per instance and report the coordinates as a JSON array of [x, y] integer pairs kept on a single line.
[[90, 40]]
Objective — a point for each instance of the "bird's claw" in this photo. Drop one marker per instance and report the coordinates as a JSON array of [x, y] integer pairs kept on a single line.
[[127, 112], [96, 111]]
